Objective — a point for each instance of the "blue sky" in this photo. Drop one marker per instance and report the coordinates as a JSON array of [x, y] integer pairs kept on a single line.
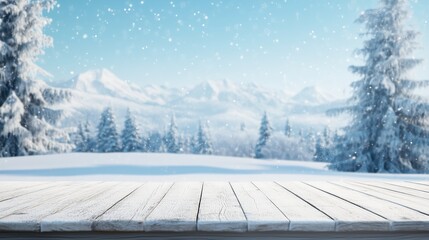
[[282, 44]]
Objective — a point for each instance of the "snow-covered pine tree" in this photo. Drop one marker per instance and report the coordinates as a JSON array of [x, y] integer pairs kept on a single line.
[[288, 129], [203, 143], [327, 137], [107, 135], [80, 139], [321, 150], [388, 131], [27, 123], [130, 137], [91, 142], [154, 142], [172, 137], [265, 131]]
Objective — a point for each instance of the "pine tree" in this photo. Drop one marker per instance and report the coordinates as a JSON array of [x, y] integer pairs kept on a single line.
[[107, 136], [154, 142], [264, 136], [80, 139], [91, 142], [172, 137], [130, 134], [27, 123], [388, 131], [321, 148], [203, 143], [288, 129]]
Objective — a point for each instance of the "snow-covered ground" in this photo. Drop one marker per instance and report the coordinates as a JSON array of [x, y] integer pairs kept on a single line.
[[168, 167]]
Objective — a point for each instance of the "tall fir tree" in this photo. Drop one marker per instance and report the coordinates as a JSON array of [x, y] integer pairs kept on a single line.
[[203, 144], [130, 137], [83, 139], [265, 132], [172, 137], [288, 129], [27, 121], [154, 142], [107, 136], [388, 130]]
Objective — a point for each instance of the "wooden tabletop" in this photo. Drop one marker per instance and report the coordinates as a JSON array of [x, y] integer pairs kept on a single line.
[[214, 206]]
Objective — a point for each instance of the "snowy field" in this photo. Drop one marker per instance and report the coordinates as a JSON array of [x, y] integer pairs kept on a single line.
[[167, 167]]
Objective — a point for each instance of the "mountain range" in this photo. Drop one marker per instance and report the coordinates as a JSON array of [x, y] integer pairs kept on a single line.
[[224, 104]]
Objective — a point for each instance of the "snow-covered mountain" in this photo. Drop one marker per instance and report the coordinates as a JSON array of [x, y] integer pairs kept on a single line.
[[104, 82], [226, 104], [312, 96]]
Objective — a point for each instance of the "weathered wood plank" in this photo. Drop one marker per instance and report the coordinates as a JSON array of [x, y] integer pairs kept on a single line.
[[401, 218], [29, 218], [33, 198], [17, 190], [401, 199], [347, 216], [424, 183], [220, 210], [178, 210], [261, 213], [16, 185], [399, 189], [217, 235], [302, 216], [80, 215], [387, 192], [412, 186], [130, 213]]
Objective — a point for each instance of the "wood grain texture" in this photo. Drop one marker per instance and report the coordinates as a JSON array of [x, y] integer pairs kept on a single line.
[[178, 210], [80, 215], [20, 189], [412, 186], [424, 183], [347, 216], [400, 189], [29, 218], [401, 218], [417, 204], [216, 208], [261, 213], [16, 185], [302, 216], [220, 210], [218, 236], [130, 213], [33, 198]]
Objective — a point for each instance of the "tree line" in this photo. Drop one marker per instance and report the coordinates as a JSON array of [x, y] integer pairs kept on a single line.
[[105, 137]]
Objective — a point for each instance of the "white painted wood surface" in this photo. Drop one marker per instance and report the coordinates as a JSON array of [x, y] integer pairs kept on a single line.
[[130, 213], [31, 199], [214, 207], [425, 183], [261, 213], [28, 218], [80, 215], [12, 190], [15, 185], [348, 217], [417, 204], [412, 186], [302, 216], [220, 210], [400, 189], [401, 218], [178, 210]]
